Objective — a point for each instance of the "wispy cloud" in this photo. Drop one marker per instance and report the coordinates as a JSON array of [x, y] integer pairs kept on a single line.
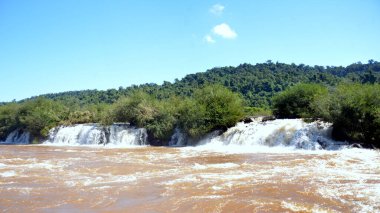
[[225, 31], [209, 39], [217, 9]]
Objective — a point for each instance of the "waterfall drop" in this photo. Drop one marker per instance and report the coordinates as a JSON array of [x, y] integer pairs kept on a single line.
[[95, 134], [275, 133], [18, 136]]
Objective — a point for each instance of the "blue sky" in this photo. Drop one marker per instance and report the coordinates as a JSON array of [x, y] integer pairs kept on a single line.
[[53, 46]]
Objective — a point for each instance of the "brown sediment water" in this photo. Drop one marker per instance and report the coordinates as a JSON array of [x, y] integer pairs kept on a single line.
[[35, 178]]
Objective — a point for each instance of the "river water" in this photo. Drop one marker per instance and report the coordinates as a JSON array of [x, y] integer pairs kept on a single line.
[[209, 178]]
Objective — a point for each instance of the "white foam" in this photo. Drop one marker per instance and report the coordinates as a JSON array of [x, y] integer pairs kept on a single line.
[[207, 197], [8, 174], [216, 166], [71, 183], [186, 179], [294, 133], [93, 181], [294, 206], [198, 166], [217, 188], [224, 176]]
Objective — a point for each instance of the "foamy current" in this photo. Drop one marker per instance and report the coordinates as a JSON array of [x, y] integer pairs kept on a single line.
[[39, 178], [272, 166]]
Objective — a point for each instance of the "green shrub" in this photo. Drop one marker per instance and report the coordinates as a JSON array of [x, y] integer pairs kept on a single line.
[[136, 109], [257, 111], [40, 115], [193, 118], [80, 117], [213, 107], [8, 119], [354, 110], [297, 101], [164, 119], [142, 110]]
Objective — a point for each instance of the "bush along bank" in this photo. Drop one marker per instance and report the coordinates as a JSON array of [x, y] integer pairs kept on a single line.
[[353, 109]]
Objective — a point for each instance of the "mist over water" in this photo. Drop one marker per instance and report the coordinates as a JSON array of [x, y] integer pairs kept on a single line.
[[273, 166]]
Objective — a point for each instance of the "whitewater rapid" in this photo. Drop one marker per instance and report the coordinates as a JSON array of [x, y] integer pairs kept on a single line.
[[187, 179], [258, 134], [289, 133], [284, 165]]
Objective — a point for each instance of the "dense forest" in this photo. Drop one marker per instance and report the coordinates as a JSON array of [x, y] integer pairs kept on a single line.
[[217, 99], [256, 83]]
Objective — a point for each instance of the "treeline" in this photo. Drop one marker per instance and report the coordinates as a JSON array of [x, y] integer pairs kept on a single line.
[[215, 99], [256, 83]]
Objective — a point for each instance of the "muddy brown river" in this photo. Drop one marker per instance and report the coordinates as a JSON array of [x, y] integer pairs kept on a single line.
[[41, 178]]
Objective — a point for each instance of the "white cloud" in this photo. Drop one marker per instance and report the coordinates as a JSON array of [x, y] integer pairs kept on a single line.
[[217, 9], [209, 39], [224, 31]]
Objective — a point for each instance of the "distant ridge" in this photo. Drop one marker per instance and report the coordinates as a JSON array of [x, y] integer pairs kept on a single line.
[[256, 83]]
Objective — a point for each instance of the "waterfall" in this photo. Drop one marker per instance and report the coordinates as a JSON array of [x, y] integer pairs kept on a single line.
[[281, 132], [95, 134], [123, 134], [294, 133], [178, 138], [84, 134], [18, 136]]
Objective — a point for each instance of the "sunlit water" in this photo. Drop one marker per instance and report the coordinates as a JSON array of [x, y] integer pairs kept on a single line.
[[45, 178]]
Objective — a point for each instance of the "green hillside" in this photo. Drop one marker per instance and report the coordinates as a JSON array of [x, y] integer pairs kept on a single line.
[[257, 83]]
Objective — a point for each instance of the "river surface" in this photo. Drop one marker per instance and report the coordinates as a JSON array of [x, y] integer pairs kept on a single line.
[[45, 178]]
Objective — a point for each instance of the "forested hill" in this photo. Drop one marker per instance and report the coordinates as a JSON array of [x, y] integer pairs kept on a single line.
[[257, 83]]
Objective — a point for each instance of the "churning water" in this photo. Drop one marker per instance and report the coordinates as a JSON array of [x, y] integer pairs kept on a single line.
[[273, 166]]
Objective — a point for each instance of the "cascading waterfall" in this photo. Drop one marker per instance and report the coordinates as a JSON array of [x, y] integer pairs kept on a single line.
[[94, 134], [123, 134], [281, 132], [84, 134], [178, 138], [18, 136]]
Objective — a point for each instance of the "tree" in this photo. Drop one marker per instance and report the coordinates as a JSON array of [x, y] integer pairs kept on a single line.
[[297, 101], [8, 119], [135, 109], [142, 110], [213, 107], [40, 115], [354, 111]]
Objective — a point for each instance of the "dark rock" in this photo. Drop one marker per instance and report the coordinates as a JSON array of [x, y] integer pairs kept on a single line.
[[247, 120], [268, 118], [156, 142]]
